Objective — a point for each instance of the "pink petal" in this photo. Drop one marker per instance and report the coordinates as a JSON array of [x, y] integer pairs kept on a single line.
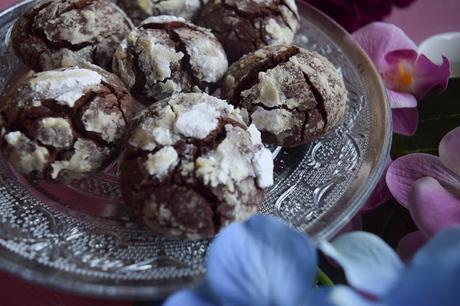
[[449, 150], [432, 207], [396, 56], [380, 38], [427, 75], [405, 171], [405, 121], [410, 244], [401, 100]]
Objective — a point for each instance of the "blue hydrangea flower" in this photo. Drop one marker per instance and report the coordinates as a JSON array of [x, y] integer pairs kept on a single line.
[[263, 262], [379, 278], [259, 262]]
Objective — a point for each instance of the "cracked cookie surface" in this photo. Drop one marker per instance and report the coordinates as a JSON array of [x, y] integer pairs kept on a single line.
[[51, 32], [138, 10], [167, 55], [63, 125], [292, 95], [243, 26], [192, 166]]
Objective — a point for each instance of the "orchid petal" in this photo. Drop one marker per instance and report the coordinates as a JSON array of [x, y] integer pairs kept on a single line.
[[432, 207], [344, 296], [370, 265], [405, 171], [261, 262], [401, 100], [405, 121], [380, 38], [396, 56], [410, 244], [427, 75], [433, 276], [187, 297], [449, 151]]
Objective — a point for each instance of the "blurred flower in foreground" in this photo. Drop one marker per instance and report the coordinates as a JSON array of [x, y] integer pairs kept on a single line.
[[263, 262], [377, 277], [259, 262], [408, 75], [429, 186], [353, 14]]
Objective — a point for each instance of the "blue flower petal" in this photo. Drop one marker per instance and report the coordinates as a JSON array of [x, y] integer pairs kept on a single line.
[[433, 277], [319, 297], [187, 298], [370, 265], [345, 296], [261, 262]]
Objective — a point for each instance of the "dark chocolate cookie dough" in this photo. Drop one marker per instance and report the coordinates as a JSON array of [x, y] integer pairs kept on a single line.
[[62, 125], [139, 10], [192, 166], [167, 55], [291, 94], [53, 31], [243, 26]]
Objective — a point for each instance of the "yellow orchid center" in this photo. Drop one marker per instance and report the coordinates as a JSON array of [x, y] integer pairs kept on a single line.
[[405, 76]]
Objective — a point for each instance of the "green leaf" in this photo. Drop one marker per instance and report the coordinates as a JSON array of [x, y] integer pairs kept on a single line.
[[323, 279], [439, 114]]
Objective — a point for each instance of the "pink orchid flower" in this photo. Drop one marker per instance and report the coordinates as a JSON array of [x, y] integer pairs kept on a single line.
[[429, 186], [408, 75]]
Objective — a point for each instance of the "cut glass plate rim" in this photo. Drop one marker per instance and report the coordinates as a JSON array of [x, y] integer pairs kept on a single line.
[[372, 168]]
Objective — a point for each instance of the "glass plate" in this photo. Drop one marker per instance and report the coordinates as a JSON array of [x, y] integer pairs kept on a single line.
[[78, 237]]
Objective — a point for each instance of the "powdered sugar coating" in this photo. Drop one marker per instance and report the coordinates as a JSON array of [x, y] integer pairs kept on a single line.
[[139, 10], [210, 151], [66, 86], [167, 55]]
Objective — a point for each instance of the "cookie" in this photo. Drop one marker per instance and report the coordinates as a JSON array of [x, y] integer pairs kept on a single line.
[[191, 166], [63, 125], [292, 95], [167, 55], [50, 32], [138, 10], [243, 26]]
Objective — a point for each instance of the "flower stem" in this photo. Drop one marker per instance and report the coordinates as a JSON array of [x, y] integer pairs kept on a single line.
[[323, 279]]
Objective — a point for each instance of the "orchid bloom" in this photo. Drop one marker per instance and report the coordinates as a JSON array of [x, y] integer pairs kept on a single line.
[[429, 186], [408, 75]]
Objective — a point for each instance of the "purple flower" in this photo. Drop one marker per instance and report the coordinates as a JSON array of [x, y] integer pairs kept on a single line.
[[429, 186], [353, 14], [408, 76]]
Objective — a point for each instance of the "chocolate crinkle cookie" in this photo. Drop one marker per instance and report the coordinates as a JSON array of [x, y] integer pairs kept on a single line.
[[291, 94], [243, 26], [192, 166], [52, 31], [167, 55], [63, 125], [139, 10]]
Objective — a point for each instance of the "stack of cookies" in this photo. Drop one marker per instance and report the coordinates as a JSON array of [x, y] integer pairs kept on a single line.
[[148, 82]]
